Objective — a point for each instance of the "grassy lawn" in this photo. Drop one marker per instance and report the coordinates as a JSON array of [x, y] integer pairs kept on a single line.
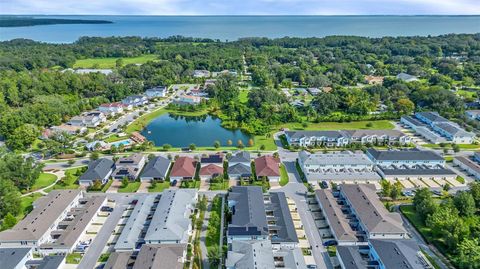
[[193, 184], [104, 257], [73, 258], [43, 181], [325, 126], [69, 182], [448, 146], [268, 142], [131, 187], [283, 175], [416, 221], [26, 204], [110, 62], [219, 186], [159, 187], [115, 138], [104, 188]]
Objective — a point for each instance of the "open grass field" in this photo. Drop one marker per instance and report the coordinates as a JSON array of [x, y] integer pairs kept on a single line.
[[43, 181], [448, 146], [243, 96], [108, 63], [69, 182], [131, 187]]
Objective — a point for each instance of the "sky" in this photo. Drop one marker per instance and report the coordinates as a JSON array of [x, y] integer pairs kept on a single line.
[[241, 7]]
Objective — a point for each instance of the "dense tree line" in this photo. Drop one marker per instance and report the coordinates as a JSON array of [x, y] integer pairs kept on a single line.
[[454, 223]]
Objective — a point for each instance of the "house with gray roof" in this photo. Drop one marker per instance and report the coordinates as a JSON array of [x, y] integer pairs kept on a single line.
[[15, 258], [246, 254], [349, 257], [398, 254], [249, 221], [99, 169], [410, 164], [159, 91], [316, 138], [171, 224], [281, 227], [36, 228], [240, 157], [135, 100], [120, 260], [156, 169], [132, 233], [388, 137], [449, 130], [129, 167], [239, 165], [362, 201], [469, 164], [406, 77], [422, 129], [338, 166], [163, 256], [47, 262]]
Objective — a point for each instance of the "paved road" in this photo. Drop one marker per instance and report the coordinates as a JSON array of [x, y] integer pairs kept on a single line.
[[96, 248]]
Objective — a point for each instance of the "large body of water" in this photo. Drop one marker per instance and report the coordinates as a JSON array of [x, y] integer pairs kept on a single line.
[[234, 27], [180, 131]]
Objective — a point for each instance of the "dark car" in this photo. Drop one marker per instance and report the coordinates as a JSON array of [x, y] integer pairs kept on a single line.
[[329, 243], [324, 185], [106, 209], [173, 183], [134, 202]]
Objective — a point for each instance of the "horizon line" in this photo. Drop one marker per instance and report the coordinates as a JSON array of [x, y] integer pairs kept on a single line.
[[253, 15]]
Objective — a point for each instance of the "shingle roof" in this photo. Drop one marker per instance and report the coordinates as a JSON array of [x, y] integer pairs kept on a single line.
[[334, 158], [97, 169], [156, 168], [213, 158], [370, 211], [284, 222], [183, 167], [398, 254], [301, 134], [249, 216], [161, 256], [453, 129], [431, 116], [404, 155], [133, 159], [46, 210], [240, 157], [337, 220], [267, 166], [11, 257], [250, 254], [211, 169], [240, 169], [468, 162], [350, 256]]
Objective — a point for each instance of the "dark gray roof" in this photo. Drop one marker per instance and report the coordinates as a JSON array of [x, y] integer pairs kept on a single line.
[[453, 130], [399, 254], [414, 121], [350, 256], [214, 158], [240, 157], [240, 169], [249, 217], [431, 116], [468, 162], [284, 222], [156, 168], [11, 257], [404, 155], [97, 169]]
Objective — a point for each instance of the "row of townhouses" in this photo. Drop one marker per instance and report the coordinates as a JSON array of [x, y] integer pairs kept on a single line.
[[261, 233], [345, 137], [437, 129], [365, 232]]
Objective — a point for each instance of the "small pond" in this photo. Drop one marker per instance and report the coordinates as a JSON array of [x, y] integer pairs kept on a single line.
[[181, 131]]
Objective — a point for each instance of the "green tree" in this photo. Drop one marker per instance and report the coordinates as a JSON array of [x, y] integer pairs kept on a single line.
[[465, 203], [166, 147], [125, 182], [119, 63], [192, 146], [97, 185], [23, 137], [94, 156], [469, 254], [424, 203], [9, 221], [213, 256], [475, 191], [9, 198], [216, 144]]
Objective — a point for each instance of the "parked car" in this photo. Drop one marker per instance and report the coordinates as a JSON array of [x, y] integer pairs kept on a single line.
[[408, 193], [134, 202], [311, 266], [329, 243], [106, 209], [173, 183], [324, 185]]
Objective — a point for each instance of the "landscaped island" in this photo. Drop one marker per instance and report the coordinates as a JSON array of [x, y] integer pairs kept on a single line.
[[29, 21]]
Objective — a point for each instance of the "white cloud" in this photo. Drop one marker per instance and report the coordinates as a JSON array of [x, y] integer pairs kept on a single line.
[[237, 7]]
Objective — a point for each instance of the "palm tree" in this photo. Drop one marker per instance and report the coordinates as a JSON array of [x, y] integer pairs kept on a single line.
[[213, 256]]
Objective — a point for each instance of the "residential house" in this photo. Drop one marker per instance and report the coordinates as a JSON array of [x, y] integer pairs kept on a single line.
[[163, 256], [171, 223], [406, 77], [188, 100], [215, 159], [469, 164], [209, 82], [267, 166], [398, 254], [51, 261], [112, 108], [15, 258], [184, 168], [316, 138], [473, 114], [156, 169], [135, 100], [239, 165], [99, 169], [374, 80], [250, 254], [388, 137], [97, 145], [410, 164], [69, 129], [36, 228], [201, 73], [159, 91], [422, 129], [210, 171], [129, 167]]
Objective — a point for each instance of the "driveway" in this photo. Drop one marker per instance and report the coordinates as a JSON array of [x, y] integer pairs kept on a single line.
[[116, 184], [144, 185]]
